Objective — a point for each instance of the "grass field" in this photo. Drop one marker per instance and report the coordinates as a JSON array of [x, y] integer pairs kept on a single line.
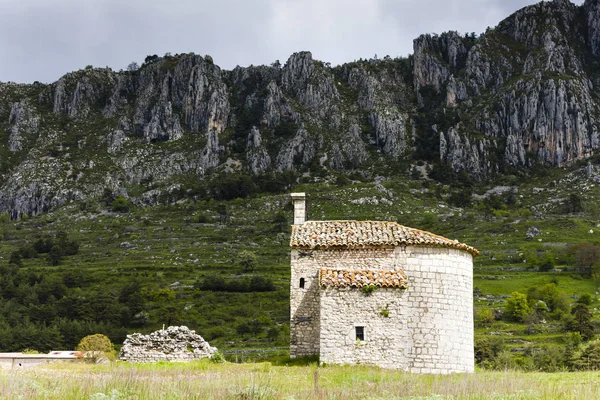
[[206, 380]]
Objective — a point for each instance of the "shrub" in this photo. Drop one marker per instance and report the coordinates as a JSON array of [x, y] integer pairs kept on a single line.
[[54, 257], [217, 358], [581, 321], [15, 259], [120, 204], [97, 347], [517, 307], [247, 260], [547, 262], [486, 350], [555, 300], [588, 358], [280, 221], [259, 283], [549, 359], [202, 219], [28, 251], [484, 316], [585, 298]]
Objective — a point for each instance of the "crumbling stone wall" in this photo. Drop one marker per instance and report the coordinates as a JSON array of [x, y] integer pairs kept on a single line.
[[176, 343]]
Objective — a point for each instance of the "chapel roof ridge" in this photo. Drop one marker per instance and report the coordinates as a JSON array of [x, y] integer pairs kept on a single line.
[[356, 234]]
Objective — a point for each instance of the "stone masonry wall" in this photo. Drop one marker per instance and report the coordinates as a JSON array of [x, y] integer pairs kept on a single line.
[[388, 340], [305, 306], [430, 325], [440, 297]]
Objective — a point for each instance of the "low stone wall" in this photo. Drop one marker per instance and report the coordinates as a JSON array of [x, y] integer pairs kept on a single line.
[[176, 343], [21, 361]]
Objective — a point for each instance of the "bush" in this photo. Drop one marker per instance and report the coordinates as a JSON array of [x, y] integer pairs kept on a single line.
[[547, 262], [120, 204], [96, 347], [486, 350], [588, 358], [15, 259], [247, 260], [585, 298], [461, 198], [54, 257], [549, 359], [202, 219], [484, 317], [517, 307], [555, 300], [217, 358]]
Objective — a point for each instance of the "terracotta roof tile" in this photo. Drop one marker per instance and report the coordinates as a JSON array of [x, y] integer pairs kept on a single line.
[[356, 234], [362, 277]]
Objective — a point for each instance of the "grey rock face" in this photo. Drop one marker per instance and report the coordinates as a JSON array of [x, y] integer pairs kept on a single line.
[[540, 97], [463, 154], [350, 152], [521, 92], [390, 133], [36, 188], [276, 107], [313, 85], [210, 154], [205, 102], [23, 120], [176, 343], [592, 11], [115, 140], [164, 124], [432, 54], [301, 149], [256, 154], [76, 93]]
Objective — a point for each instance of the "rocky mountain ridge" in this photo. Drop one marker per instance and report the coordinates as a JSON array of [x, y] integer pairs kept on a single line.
[[521, 93]]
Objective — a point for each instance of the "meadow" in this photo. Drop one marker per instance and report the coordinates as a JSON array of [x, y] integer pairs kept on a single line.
[[206, 380]]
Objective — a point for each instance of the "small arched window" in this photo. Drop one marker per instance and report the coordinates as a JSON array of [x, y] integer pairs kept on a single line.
[[301, 283]]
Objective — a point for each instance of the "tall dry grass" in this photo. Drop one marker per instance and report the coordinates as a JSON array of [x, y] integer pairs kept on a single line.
[[204, 380]]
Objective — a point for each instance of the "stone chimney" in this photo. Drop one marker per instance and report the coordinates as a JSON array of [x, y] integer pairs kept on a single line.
[[299, 200]]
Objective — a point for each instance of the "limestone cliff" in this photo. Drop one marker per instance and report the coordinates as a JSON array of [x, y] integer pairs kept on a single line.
[[522, 93]]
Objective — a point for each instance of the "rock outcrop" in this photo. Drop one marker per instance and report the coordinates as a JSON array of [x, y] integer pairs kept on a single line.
[[176, 343], [519, 94], [257, 156], [23, 120], [522, 86]]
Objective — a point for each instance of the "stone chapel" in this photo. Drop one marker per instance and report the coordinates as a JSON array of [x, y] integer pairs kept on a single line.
[[379, 293]]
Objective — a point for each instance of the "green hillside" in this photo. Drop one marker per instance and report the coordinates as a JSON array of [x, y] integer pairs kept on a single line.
[[188, 262]]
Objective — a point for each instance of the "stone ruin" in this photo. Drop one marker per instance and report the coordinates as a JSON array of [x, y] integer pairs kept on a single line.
[[176, 343]]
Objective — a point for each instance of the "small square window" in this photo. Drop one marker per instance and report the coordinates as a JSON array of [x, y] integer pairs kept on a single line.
[[360, 333]]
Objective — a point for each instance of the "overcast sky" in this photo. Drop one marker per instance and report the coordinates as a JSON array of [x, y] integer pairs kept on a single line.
[[44, 39]]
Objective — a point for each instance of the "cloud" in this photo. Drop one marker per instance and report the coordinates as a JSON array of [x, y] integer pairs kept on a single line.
[[42, 40]]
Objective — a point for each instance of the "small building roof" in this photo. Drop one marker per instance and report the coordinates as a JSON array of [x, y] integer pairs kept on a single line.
[[363, 277], [357, 234]]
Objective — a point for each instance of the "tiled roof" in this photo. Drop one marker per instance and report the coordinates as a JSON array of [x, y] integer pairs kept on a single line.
[[362, 277], [353, 234]]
